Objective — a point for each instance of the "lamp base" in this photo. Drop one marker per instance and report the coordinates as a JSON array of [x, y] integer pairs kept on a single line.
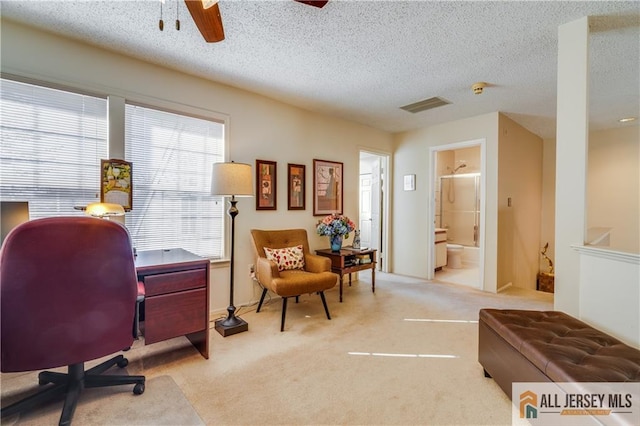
[[231, 325]]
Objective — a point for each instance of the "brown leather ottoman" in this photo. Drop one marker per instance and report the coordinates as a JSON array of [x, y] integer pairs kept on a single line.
[[550, 346]]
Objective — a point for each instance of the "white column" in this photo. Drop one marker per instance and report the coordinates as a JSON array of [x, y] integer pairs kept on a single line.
[[571, 160]]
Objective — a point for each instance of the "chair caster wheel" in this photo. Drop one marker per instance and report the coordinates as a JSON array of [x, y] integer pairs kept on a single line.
[[138, 389], [123, 363]]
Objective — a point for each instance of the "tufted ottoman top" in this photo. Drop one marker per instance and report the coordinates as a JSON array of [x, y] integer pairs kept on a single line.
[[564, 348]]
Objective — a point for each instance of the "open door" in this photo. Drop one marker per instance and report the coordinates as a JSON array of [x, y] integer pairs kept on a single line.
[[373, 203], [365, 210]]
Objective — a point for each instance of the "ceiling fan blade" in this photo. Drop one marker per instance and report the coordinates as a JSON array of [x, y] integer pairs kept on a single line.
[[316, 3], [208, 21]]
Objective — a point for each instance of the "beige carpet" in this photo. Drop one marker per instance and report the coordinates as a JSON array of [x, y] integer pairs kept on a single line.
[[406, 355], [162, 403]]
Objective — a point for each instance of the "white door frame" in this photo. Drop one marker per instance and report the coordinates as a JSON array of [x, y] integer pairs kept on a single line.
[[384, 255], [433, 153]]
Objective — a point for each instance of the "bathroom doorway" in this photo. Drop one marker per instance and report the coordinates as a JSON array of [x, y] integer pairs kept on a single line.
[[457, 186]]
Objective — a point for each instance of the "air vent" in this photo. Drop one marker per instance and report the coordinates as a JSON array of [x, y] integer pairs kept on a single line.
[[426, 104]]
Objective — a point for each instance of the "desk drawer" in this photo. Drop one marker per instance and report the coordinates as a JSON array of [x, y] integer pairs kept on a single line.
[[174, 281], [176, 314]]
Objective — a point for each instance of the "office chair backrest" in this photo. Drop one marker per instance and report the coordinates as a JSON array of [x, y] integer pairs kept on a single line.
[[68, 291]]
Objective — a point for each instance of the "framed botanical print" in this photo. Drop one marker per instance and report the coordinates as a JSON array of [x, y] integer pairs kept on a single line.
[[266, 186], [116, 183], [296, 186], [327, 187]]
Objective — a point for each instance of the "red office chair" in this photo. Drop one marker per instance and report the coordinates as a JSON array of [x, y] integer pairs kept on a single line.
[[68, 292]]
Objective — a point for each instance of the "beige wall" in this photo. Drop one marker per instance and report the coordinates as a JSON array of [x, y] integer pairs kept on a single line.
[[259, 128], [413, 209], [613, 186], [548, 217], [519, 180], [513, 169]]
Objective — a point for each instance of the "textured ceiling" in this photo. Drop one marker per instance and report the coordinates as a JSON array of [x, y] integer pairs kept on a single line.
[[363, 60]]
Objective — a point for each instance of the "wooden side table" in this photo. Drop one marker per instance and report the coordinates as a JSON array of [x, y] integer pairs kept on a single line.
[[350, 260]]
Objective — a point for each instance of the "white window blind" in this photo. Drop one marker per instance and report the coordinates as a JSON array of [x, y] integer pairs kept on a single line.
[[51, 143], [172, 156]]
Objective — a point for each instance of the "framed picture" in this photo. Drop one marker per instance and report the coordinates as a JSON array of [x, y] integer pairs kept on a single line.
[[295, 186], [115, 183], [266, 197], [327, 187]]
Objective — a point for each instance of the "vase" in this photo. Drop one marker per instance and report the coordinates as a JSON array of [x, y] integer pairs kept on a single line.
[[336, 242]]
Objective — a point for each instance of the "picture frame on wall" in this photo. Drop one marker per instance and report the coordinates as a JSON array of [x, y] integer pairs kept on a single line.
[[266, 185], [116, 184], [296, 186], [327, 187]]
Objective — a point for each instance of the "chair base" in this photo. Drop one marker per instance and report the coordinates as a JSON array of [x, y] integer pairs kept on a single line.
[[71, 384], [284, 305]]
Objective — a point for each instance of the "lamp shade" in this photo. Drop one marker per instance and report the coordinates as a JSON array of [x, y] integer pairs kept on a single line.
[[231, 179], [104, 209]]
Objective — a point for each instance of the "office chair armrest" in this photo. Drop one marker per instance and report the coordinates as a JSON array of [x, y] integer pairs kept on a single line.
[[315, 263]]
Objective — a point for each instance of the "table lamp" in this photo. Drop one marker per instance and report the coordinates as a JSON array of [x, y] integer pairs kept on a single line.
[[231, 180], [104, 210]]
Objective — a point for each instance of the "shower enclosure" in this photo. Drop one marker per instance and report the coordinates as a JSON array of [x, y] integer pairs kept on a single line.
[[460, 208]]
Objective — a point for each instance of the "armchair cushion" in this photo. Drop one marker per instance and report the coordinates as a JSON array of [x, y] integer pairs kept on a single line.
[[286, 258]]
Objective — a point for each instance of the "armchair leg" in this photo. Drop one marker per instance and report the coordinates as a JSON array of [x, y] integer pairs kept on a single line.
[[324, 302], [284, 312], [264, 293]]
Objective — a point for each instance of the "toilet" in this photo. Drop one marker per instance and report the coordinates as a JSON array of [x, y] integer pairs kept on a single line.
[[454, 256]]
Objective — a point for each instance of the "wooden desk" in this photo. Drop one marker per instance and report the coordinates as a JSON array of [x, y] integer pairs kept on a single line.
[[176, 296], [344, 262]]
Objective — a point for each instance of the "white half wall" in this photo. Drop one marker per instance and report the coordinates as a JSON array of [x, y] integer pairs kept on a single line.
[[610, 292]]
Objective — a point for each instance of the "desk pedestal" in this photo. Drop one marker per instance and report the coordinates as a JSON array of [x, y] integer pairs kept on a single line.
[[177, 296]]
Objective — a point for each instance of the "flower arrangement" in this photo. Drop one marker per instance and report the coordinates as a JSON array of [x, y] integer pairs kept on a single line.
[[335, 224]]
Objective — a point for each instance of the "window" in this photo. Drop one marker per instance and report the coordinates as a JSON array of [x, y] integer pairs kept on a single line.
[[172, 156], [51, 145], [52, 142]]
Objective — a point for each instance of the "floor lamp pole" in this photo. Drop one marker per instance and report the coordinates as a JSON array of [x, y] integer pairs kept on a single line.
[[231, 324]]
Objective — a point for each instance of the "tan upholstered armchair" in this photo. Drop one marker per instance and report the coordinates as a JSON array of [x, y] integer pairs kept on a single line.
[[285, 266]]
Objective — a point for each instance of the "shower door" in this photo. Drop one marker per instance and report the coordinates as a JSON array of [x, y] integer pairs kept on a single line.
[[460, 208]]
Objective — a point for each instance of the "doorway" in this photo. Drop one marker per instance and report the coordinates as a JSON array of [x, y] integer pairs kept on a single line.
[[456, 187], [374, 204]]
